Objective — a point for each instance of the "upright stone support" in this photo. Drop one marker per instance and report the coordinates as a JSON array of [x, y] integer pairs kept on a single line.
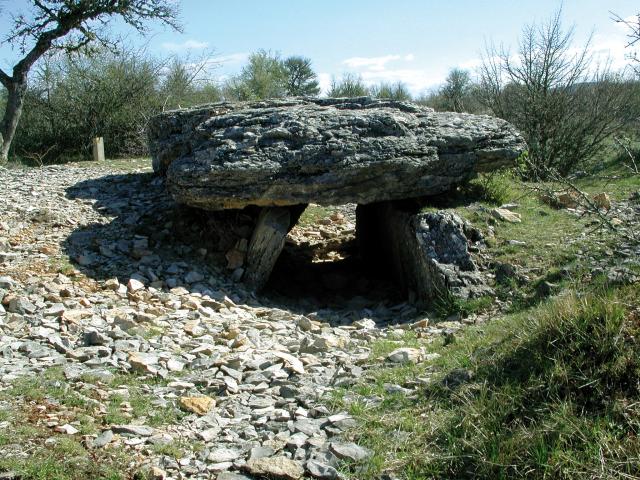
[[267, 242], [426, 253]]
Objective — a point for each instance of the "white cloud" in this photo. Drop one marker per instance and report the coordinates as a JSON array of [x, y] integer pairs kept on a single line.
[[232, 58], [375, 63], [416, 79], [184, 46], [610, 49], [324, 80], [375, 70]]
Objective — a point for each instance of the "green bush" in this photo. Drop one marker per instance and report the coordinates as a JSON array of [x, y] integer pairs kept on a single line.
[[72, 99], [266, 75], [348, 86]]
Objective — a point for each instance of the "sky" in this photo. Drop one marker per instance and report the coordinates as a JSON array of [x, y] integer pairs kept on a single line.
[[413, 41]]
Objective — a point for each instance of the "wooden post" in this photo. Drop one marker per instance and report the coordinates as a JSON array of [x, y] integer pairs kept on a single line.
[[98, 149]]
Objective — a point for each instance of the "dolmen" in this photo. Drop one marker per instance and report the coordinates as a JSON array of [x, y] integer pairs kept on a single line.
[[274, 157]]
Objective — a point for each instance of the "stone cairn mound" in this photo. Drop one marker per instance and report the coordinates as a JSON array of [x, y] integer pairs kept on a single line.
[[385, 156]]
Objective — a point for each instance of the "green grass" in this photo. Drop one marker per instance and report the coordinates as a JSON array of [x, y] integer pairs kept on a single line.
[[312, 214], [547, 239], [448, 304], [53, 456], [64, 457], [548, 393]]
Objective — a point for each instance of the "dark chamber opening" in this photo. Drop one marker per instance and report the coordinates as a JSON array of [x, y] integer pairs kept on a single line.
[[330, 271]]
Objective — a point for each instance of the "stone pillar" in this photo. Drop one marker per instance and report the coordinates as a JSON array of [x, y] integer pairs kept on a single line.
[[267, 242], [425, 253]]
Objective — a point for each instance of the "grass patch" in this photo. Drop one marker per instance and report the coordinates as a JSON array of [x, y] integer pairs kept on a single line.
[[448, 304], [550, 393], [55, 456], [313, 214], [65, 457]]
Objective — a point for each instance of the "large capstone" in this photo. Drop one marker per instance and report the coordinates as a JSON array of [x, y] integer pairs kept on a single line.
[[280, 155], [326, 151]]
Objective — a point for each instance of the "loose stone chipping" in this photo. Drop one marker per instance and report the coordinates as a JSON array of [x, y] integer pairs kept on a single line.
[[267, 369], [289, 153]]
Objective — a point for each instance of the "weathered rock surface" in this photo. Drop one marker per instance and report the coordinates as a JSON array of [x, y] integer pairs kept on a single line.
[[427, 253], [328, 151]]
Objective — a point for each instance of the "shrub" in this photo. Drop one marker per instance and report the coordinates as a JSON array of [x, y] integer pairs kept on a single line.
[[349, 85], [552, 95]]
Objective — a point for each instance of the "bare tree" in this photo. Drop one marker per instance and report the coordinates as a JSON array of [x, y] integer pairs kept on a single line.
[[565, 107], [633, 36], [70, 25]]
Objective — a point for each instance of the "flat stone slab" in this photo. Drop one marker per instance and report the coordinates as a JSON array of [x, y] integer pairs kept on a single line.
[[327, 151]]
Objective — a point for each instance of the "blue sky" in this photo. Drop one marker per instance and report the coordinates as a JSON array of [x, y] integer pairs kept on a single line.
[[413, 41]]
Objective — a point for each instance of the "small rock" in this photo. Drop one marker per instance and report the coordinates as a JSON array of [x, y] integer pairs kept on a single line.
[[193, 277], [174, 365], [197, 405], [143, 362], [261, 452], [275, 467], [231, 476], [134, 430], [220, 455], [92, 338], [506, 215], [405, 355], [321, 470], [21, 305], [349, 451], [157, 473], [134, 285], [103, 439], [67, 429]]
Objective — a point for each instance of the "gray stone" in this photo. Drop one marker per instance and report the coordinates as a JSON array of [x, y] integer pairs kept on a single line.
[[103, 439], [220, 455], [261, 452], [275, 467], [327, 151], [427, 253], [307, 426], [405, 355], [21, 305], [133, 430], [193, 277], [93, 337], [349, 451], [231, 476], [321, 470], [266, 244]]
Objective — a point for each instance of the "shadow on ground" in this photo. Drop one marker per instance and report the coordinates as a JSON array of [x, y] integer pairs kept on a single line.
[[138, 230]]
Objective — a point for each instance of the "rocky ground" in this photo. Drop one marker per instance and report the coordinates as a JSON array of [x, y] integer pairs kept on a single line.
[[114, 298]]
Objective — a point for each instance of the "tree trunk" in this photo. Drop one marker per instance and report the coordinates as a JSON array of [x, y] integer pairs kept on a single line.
[[15, 98]]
